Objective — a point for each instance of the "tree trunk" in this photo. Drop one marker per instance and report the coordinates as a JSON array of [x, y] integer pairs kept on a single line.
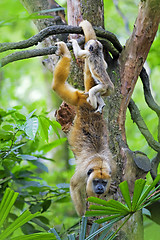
[[124, 73]]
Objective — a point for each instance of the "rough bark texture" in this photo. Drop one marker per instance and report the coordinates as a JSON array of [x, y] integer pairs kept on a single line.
[[136, 50], [124, 74]]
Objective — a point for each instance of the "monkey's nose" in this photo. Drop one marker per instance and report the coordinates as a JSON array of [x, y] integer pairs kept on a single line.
[[99, 190]]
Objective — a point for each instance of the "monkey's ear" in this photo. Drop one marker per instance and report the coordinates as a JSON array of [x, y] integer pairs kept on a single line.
[[90, 171]]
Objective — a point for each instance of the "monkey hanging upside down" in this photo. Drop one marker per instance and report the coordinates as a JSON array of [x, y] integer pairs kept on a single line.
[[87, 137]]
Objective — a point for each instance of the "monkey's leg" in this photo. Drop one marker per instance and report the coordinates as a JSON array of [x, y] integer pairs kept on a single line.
[[61, 72], [77, 191], [92, 99]]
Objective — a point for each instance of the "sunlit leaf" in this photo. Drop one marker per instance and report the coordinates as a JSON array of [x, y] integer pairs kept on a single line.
[[6, 204], [43, 127], [31, 127], [22, 219]]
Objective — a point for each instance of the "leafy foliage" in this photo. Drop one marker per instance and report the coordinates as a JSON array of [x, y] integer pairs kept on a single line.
[[143, 196], [21, 161], [24, 83], [6, 204]]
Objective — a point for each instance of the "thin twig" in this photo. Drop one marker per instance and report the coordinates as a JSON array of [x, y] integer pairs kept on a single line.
[[125, 20], [137, 118]]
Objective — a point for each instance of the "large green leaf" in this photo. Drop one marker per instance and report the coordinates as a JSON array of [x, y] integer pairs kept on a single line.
[[7, 202], [138, 189], [21, 220], [36, 236], [109, 207], [82, 233], [125, 193], [146, 194]]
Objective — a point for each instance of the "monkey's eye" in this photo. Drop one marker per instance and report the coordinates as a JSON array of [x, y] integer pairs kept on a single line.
[[91, 48], [89, 171], [104, 183]]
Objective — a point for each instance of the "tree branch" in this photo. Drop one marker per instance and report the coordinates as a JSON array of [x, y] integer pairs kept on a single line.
[[45, 51], [149, 98], [135, 52], [137, 118], [58, 29], [27, 54], [147, 92]]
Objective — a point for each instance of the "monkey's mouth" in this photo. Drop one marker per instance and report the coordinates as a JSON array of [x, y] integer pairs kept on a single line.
[[99, 191]]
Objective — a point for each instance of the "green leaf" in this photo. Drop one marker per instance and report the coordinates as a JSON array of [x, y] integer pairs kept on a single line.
[[138, 189], [109, 218], [94, 228], [53, 230], [46, 204], [144, 196], [82, 233], [125, 193], [40, 165], [8, 127], [48, 147], [5, 135], [22, 219], [6, 204], [109, 207], [55, 125], [97, 200], [36, 236], [20, 116], [5, 179], [107, 226], [31, 127], [71, 236], [40, 222], [43, 127], [31, 114]]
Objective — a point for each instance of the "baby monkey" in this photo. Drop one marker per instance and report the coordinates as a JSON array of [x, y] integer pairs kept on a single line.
[[95, 67]]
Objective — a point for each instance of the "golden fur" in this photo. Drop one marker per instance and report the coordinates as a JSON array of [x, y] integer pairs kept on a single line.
[[87, 137]]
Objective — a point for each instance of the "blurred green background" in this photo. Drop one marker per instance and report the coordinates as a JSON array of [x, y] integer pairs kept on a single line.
[[27, 83]]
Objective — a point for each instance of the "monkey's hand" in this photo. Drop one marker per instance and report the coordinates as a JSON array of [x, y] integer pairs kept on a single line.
[[62, 50], [78, 52]]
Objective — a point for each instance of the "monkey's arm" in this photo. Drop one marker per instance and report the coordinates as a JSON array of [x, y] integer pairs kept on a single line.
[[61, 72], [77, 191], [78, 52]]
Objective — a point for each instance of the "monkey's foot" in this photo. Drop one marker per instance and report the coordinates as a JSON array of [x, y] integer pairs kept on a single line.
[[101, 103], [100, 108]]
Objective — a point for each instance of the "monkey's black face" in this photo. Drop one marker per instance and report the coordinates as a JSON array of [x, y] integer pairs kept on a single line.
[[99, 186], [98, 181]]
